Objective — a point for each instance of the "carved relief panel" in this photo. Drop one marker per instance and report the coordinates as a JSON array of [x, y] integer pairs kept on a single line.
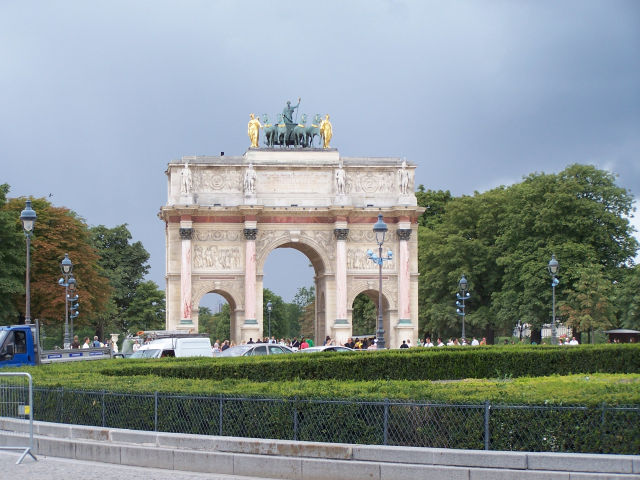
[[217, 180]]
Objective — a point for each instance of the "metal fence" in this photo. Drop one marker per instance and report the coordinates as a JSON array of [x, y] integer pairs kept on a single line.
[[16, 400], [602, 429]]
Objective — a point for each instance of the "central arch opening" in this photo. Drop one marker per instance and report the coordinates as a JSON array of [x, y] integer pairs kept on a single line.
[[292, 280]]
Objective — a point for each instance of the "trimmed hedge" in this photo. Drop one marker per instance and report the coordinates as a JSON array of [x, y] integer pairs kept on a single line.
[[411, 364], [601, 429]]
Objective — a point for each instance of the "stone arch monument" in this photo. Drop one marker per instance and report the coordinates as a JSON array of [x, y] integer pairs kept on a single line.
[[225, 214]]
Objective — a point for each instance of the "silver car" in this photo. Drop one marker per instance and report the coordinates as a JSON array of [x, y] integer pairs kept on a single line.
[[326, 348], [255, 349]]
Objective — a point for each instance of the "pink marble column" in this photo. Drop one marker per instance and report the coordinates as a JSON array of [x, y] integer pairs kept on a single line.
[[404, 293], [185, 276], [341, 274], [250, 276]]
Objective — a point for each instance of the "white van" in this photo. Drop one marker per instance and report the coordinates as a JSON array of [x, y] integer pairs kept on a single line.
[[175, 347]]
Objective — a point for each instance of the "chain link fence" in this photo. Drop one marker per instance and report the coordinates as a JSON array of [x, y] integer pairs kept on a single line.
[[548, 428]]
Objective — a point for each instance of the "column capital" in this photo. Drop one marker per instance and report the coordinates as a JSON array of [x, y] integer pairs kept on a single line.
[[341, 233], [186, 233], [404, 233], [250, 233]]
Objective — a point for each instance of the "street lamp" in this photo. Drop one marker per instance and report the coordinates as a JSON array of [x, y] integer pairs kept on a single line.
[[461, 297], [553, 269], [66, 266], [28, 219], [380, 229], [269, 307], [72, 299]]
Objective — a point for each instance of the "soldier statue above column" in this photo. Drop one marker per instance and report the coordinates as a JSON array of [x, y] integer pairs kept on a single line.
[[289, 131]]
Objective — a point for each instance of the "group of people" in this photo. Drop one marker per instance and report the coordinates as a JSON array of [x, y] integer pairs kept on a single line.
[[301, 344], [369, 343], [96, 343], [452, 342]]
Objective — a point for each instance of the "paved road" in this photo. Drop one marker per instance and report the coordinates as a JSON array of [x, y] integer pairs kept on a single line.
[[53, 468]]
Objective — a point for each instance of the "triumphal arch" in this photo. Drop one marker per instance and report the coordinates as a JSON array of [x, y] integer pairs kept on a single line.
[[225, 214]]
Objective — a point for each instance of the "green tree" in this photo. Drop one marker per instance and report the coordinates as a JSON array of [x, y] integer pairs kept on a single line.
[[363, 315], [58, 231], [435, 203], [12, 260], [627, 299], [217, 325], [304, 312], [462, 242], [589, 306], [581, 215], [125, 264], [147, 308]]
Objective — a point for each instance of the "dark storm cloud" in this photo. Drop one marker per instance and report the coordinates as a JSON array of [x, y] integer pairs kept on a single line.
[[99, 96]]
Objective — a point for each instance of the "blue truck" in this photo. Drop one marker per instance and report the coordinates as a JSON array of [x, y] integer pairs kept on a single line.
[[19, 345]]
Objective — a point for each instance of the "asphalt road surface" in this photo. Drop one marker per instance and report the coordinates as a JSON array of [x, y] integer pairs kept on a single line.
[[53, 468]]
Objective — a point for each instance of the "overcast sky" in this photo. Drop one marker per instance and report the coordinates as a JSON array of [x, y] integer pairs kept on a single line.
[[98, 96]]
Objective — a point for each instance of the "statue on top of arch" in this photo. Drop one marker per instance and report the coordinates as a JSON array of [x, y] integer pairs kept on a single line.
[[291, 132]]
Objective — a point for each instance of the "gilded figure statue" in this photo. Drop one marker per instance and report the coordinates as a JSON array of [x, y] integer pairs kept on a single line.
[[253, 130], [326, 131]]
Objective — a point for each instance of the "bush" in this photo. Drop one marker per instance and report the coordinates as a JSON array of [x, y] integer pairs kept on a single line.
[[412, 364]]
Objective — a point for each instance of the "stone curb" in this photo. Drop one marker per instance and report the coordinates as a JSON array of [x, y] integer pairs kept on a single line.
[[307, 460]]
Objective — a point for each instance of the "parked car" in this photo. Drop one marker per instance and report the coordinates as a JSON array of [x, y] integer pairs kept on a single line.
[[326, 348], [253, 349], [175, 347]]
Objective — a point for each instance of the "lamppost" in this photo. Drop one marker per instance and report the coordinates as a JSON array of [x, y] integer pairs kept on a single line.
[[380, 229], [461, 297], [553, 269], [72, 300], [66, 266], [28, 219], [269, 307]]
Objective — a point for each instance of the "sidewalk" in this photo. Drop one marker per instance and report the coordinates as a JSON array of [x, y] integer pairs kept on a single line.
[[53, 468]]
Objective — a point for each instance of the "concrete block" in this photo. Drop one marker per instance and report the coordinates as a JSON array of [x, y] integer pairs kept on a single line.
[[602, 476], [479, 458], [14, 425], [10, 439], [135, 437], [316, 469], [636, 464], [422, 472], [98, 452], [54, 447], [579, 462], [259, 446], [89, 433], [186, 441], [498, 474], [146, 457], [57, 430], [207, 462], [376, 453], [270, 467]]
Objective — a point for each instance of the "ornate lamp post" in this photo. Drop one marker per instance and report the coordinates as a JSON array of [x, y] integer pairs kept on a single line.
[[269, 307], [72, 300], [553, 269], [28, 219], [66, 266], [380, 229], [461, 297]]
